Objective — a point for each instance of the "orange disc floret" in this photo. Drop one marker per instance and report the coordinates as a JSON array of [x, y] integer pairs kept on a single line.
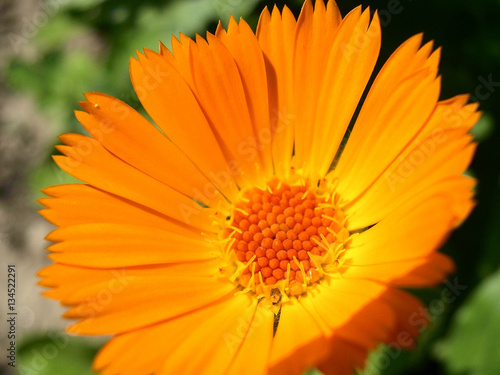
[[283, 233]]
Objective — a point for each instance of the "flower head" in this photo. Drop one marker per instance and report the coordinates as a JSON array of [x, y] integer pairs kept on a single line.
[[254, 230]]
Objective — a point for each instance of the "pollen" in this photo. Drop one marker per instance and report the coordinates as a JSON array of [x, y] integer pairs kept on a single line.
[[284, 237]]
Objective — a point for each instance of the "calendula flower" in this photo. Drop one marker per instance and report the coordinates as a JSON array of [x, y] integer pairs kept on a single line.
[[254, 230]]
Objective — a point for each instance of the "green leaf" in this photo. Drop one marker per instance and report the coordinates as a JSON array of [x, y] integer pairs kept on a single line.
[[58, 31], [375, 358], [483, 128], [55, 353], [472, 345], [236, 8], [313, 372]]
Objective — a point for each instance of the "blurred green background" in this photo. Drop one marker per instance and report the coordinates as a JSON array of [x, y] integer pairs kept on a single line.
[[54, 51]]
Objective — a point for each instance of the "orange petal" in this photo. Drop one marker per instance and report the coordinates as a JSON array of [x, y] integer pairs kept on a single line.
[[316, 31], [180, 336], [411, 318], [88, 161], [331, 76], [426, 164], [76, 204], [62, 275], [299, 342], [380, 135], [174, 295], [56, 275], [453, 113], [429, 274], [170, 102], [125, 133], [380, 118], [180, 58], [257, 334], [353, 301], [416, 273], [104, 245], [276, 35], [247, 54], [231, 326], [407, 318], [219, 89], [72, 285], [419, 226], [346, 358]]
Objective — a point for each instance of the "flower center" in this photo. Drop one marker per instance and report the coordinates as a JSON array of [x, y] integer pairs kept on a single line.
[[284, 237]]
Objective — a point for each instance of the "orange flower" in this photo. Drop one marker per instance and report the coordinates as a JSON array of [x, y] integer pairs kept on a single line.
[[254, 231]]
